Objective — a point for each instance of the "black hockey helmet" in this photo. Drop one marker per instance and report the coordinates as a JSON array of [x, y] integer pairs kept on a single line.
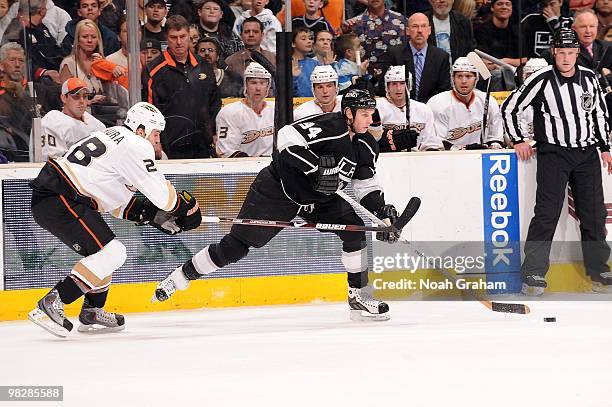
[[565, 38], [357, 99]]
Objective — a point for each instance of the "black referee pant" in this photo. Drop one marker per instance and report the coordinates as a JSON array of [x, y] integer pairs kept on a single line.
[[581, 168]]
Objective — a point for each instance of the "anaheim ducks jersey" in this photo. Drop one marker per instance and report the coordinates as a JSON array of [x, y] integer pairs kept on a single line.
[[296, 163], [311, 107], [60, 131], [526, 122], [421, 121], [241, 131], [105, 169], [460, 123]]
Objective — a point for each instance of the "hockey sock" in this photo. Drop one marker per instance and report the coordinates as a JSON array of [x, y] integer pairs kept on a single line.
[[201, 263], [69, 291], [95, 299], [358, 280]]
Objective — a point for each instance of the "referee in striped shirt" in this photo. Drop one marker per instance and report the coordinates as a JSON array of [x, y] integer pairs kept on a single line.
[[570, 122]]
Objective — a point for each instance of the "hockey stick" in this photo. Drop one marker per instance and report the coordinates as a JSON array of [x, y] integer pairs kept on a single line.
[[297, 225], [492, 305], [486, 75]]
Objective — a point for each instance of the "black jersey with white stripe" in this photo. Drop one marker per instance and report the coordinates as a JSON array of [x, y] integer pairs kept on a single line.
[[296, 163], [567, 112]]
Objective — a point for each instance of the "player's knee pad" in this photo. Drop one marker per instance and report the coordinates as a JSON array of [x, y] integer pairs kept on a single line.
[[96, 270], [228, 250]]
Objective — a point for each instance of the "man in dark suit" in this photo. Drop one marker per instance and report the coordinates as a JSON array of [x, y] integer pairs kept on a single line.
[[451, 31], [429, 65]]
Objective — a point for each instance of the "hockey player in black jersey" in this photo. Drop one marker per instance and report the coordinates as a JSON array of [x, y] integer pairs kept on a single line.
[[316, 156]]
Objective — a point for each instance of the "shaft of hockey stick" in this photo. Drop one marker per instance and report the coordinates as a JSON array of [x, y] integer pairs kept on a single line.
[[297, 225], [492, 305], [477, 61]]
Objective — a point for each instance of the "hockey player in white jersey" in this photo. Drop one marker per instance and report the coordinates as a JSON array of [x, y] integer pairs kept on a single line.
[[316, 156], [324, 81], [246, 128], [100, 174], [458, 113], [60, 130], [526, 116], [399, 135]]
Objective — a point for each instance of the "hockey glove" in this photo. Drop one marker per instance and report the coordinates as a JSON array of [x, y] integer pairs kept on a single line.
[[328, 177], [144, 212], [192, 216], [400, 140], [388, 214]]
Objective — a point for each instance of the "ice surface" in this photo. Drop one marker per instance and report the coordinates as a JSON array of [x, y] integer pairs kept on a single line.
[[428, 354]]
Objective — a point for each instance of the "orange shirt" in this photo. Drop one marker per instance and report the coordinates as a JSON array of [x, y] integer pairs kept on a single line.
[[333, 12]]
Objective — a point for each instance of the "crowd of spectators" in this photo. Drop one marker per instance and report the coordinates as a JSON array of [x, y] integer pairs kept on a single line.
[[193, 54]]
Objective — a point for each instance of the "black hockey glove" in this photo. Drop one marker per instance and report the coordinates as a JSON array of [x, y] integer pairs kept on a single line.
[[328, 177], [388, 214], [476, 146], [143, 212], [192, 216], [401, 140]]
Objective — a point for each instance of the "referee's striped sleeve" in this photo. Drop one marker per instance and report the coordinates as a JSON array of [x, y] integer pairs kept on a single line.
[[518, 100], [601, 119]]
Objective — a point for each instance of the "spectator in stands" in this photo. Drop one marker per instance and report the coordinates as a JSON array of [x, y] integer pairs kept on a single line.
[[428, 64], [606, 34], [121, 57], [60, 130], [466, 8], [348, 47], [270, 23], [332, 11], [153, 28], [56, 20], [538, 28], [252, 37], [378, 29], [246, 128], [603, 9], [183, 87], [210, 51], [9, 24], [211, 26], [450, 31], [194, 37], [302, 65], [497, 37], [44, 55], [323, 51], [16, 106], [90, 9], [79, 62], [240, 7], [111, 12], [324, 81], [150, 49], [312, 19]]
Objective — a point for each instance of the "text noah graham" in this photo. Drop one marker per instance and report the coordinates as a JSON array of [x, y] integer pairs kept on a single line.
[[428, 284]]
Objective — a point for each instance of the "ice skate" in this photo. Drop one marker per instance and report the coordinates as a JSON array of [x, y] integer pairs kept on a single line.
[[49, 315], [603, 283], [533, 286], [97, 320], [364, 307], [168, 286]]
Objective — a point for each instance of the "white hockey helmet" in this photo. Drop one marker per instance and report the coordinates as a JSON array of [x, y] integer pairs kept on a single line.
[[255, 70], [462, 64], [397, 73], [533, 65], [144, 114], [324, 74]]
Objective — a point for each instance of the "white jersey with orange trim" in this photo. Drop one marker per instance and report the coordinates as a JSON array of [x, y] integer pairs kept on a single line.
[[312, 107], [110, 165], [421, 121], [460, 123], [60, 132], [241, 131]]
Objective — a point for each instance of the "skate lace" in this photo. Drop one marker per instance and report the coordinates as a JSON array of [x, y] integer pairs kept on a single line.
[[366, 298], [58, 306], [105, 316], [168, 286]]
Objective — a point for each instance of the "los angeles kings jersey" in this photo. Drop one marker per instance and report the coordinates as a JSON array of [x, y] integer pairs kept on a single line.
[[302, 143], [107, 168], [241, 131]]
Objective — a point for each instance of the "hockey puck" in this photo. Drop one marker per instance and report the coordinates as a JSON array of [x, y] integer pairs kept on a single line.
[[550, 319]]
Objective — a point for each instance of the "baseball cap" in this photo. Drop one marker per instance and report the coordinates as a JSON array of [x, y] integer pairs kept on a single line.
[[73, 86], [151, 2], [150, 43]]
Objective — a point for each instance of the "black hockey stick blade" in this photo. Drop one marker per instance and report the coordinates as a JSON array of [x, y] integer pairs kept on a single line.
[[510, 308], [409, 212]]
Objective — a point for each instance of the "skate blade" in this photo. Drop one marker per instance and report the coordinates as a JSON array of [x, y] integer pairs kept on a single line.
[[364, 316], [42, 320], [96, 329], [602, 289]]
